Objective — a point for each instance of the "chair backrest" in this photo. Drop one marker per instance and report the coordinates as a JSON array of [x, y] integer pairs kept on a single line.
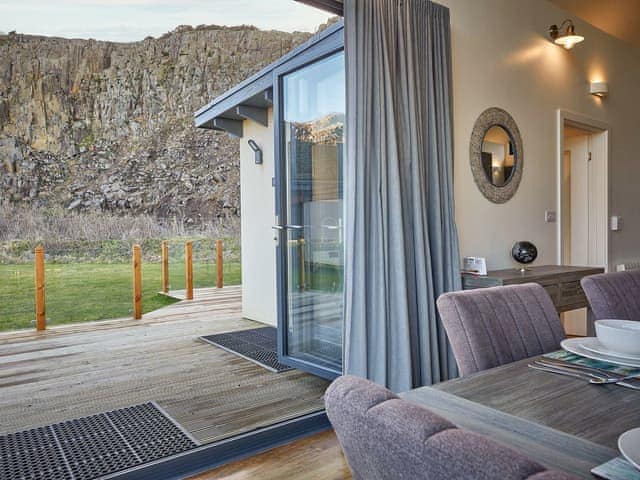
[[614, 295], [488, 327], [386, 438]]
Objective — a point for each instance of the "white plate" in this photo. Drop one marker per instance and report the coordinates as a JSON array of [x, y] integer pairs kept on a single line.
[[593, 345], [574, 345], [629, 446]]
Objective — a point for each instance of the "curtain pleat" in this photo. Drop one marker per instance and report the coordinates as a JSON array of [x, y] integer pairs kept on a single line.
[[401, 240]]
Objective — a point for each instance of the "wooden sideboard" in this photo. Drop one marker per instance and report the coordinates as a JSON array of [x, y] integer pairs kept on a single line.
[[561, 282]]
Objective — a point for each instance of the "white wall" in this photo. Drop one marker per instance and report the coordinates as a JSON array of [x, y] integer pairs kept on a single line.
[[502, 57], [257, 203]]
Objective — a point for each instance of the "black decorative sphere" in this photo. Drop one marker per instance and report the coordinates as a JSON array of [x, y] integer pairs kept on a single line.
[[524, 252]]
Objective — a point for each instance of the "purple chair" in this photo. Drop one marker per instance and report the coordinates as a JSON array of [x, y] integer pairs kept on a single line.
[[614, 295], [386, 438], [488, 327]]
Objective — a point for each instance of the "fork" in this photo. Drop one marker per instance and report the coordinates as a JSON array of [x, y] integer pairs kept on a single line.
[[591, 378], [598, 372]]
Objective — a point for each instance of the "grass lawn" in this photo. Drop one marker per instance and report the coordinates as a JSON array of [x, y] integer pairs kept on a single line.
[[80, 292]]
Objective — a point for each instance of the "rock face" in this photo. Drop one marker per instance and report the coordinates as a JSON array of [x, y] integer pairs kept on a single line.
[[97, 125]]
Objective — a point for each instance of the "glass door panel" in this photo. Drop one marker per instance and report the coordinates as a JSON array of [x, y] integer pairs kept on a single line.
[[313, 133]]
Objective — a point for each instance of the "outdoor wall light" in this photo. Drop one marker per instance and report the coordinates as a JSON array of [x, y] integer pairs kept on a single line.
[[257, 151], [565, 34], [599, 89]]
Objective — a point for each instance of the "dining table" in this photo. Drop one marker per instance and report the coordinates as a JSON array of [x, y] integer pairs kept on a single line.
[[563, 423]]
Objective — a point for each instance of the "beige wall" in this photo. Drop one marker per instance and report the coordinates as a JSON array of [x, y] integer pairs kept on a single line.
[[257, 203], [502, 57]]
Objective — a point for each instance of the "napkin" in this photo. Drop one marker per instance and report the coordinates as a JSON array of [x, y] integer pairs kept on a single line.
[[616, 469]]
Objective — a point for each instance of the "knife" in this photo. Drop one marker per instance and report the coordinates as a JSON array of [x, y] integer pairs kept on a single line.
[[594, 370], [591, 378]]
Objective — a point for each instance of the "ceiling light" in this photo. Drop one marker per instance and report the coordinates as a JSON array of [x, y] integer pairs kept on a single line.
[[565, 34]]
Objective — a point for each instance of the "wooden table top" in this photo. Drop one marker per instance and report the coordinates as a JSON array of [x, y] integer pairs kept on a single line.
[[559, 421], [532, 274]]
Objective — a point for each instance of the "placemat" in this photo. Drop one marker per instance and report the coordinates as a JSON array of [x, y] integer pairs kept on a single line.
[[587, 362], [617, 469]]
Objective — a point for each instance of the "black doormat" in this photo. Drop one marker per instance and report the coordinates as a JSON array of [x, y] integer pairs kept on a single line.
[[259, 345], [92, 447]]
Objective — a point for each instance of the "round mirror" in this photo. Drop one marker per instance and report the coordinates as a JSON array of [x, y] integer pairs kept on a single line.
[[496, 155]]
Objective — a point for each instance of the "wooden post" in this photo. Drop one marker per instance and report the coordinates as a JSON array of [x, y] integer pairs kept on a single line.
[[219, 264], [41, 315], [188, 268], [137, 282], [165, 266]]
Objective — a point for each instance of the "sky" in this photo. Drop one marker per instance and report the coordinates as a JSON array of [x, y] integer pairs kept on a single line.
[[131, 20]]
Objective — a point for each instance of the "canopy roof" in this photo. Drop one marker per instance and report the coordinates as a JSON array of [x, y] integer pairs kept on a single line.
[[251, 98]]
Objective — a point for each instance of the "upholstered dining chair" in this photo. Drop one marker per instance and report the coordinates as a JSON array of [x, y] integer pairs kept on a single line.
[[386, 438], [488, 327], [614, 295]]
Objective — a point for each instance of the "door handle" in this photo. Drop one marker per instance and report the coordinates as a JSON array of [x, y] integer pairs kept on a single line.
[[288, 227]]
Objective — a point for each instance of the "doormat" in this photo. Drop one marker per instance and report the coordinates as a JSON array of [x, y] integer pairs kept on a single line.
[[92, 447], [258, 345]]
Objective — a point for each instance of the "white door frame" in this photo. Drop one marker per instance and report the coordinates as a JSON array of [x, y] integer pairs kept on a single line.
[[587, 123]]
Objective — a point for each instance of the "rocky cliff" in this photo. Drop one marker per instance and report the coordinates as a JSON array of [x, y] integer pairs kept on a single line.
[[95, 125]]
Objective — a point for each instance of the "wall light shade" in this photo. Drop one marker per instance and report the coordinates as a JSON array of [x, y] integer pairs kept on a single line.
[[257, 151], [599, 89], [565, 34]]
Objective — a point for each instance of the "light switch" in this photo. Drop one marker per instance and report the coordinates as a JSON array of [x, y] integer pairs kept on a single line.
[[550, 216], [616, 223]]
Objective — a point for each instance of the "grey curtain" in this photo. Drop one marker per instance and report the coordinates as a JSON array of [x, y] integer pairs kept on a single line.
[[401, 240]]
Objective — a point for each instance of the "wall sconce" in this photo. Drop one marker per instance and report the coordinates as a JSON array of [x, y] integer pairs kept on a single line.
[[599, 89], [565, 34], [257, 152]]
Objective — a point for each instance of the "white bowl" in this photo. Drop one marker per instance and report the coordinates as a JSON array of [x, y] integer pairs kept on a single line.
[[622, 336]]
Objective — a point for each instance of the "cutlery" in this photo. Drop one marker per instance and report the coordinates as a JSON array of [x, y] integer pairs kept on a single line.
[[593, 370], [598, 377], [628, 385], [591, 378]]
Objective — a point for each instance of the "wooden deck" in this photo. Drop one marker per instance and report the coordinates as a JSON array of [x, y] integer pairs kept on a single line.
[[76, 370]]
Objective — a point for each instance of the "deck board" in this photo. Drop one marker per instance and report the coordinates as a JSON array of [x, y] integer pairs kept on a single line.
[[83, 369]]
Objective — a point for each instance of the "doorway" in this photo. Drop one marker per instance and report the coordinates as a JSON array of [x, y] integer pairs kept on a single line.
[[583, 225], [311, 248]]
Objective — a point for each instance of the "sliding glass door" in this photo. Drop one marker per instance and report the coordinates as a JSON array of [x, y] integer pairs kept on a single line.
[[311, 132]]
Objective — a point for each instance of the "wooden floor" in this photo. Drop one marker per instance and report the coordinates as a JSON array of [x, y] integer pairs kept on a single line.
[[314, 458], [77, 370]]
